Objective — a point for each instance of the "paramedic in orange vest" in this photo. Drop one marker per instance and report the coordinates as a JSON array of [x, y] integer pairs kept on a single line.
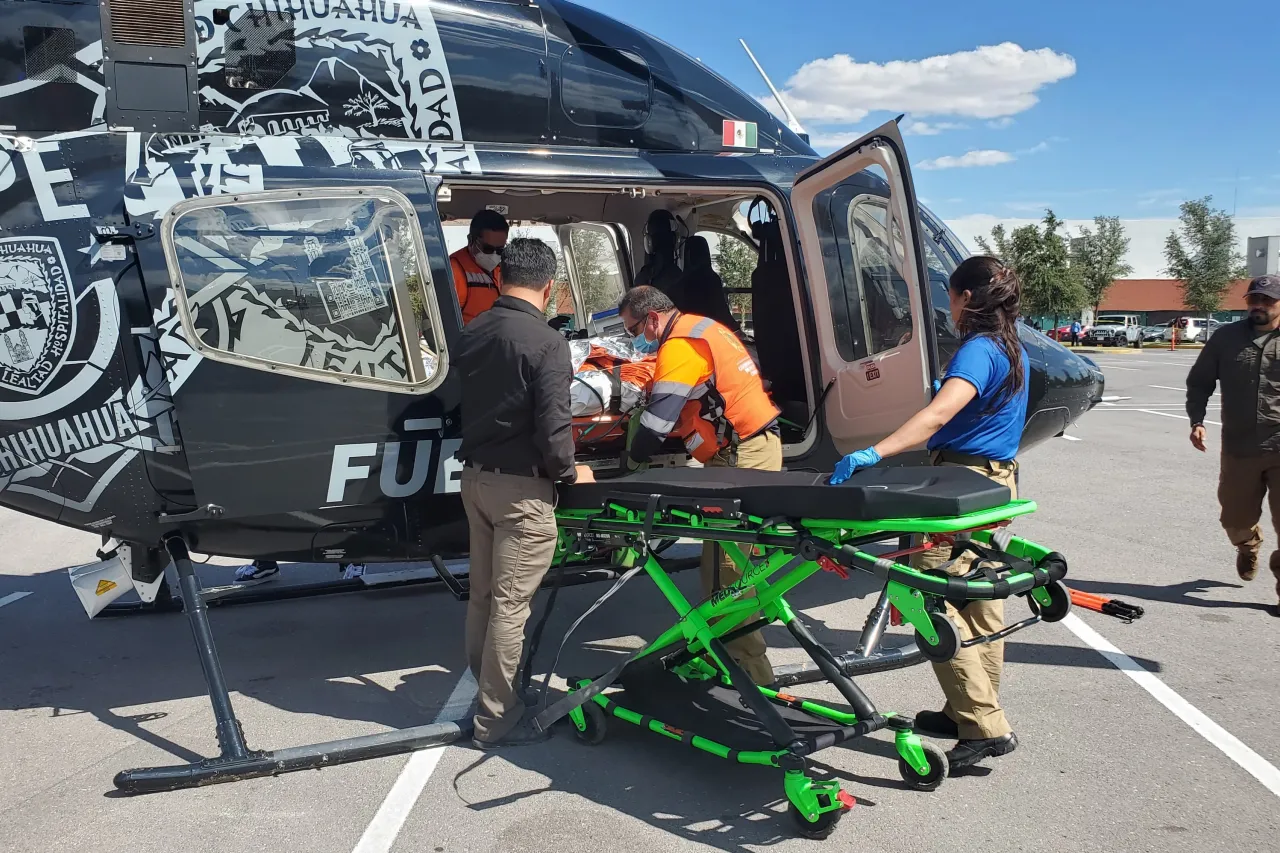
[[707, 390], [476, 274]]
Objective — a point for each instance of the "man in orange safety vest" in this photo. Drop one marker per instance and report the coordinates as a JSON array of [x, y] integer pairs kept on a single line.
[[707, 390], [477, 274]]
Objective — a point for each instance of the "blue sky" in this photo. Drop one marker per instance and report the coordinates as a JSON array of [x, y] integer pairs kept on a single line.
[[1120, 108]]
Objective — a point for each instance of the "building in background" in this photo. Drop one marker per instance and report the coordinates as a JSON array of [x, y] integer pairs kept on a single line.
[[1156, 301]]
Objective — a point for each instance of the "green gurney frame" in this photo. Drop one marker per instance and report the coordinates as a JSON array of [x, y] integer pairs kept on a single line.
[[775, 556]]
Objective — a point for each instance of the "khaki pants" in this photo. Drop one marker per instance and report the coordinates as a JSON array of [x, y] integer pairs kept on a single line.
[[513, 540], [971, 680], [762, 453], [1242, 484]]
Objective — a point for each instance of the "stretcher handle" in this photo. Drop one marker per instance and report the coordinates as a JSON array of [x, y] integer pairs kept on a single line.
[[1052, 567]]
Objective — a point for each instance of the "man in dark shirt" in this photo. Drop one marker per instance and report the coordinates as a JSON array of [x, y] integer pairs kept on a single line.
[[517, 443], [1244, 358]]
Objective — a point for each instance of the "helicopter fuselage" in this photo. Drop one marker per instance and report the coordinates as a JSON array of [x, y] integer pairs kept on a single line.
[[226, 307]]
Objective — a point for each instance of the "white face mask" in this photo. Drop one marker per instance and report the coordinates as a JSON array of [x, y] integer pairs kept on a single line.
[[487, 262]]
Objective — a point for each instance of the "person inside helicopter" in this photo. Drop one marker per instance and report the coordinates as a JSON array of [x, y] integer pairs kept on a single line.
[[661, 255]]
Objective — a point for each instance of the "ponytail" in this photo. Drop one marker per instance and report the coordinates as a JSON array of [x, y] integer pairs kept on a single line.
[[993, 309]]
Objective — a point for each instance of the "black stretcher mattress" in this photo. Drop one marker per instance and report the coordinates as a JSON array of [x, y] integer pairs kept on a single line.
[[869, 495]]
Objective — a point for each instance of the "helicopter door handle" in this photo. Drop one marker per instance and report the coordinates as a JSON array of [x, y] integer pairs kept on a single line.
[[198, 514]]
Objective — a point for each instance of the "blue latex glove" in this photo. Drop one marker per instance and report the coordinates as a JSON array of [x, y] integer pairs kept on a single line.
[[937, 385], [853, 462]]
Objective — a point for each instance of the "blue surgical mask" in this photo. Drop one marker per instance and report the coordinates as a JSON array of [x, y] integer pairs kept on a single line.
[[643, 345]]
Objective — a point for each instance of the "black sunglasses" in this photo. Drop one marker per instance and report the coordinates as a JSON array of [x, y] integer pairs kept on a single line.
[[485, 248], [630, 330]]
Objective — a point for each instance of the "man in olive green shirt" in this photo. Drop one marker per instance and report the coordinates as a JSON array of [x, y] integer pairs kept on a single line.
[[1244, 359]]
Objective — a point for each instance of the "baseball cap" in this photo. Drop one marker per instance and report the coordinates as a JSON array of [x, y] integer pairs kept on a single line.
[[1267, 285]]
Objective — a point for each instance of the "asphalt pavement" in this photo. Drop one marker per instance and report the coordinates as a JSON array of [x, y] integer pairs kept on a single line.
[[1157, 735]]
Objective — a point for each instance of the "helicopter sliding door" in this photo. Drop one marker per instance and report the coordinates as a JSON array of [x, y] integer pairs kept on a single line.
[[317, 311], [857, 222]]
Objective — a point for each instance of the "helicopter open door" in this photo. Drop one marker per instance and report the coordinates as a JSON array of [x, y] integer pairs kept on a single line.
[[317, 305], [856, 217]]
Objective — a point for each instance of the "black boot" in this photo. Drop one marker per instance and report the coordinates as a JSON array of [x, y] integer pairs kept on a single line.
[[966, 753]]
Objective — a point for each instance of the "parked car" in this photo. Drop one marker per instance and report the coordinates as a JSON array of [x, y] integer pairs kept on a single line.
[[1063, 333], [1110, 331], [1190, 330]]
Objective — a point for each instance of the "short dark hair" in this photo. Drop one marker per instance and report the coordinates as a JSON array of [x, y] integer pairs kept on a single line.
[[527, 262], [488, 220], [643, 300]]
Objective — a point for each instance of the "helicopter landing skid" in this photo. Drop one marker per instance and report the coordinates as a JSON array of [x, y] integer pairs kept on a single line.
[[236, 761]]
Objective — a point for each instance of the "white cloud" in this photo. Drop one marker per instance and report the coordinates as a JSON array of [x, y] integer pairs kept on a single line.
[[1151, 197], [1001, 123], [981, 157], [1028, 206], [990, 82], [834, 140], [914, 127], [1036, 149], [1146, 236]]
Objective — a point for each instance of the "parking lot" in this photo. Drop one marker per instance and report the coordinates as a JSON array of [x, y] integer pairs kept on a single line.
[[1156, 735]]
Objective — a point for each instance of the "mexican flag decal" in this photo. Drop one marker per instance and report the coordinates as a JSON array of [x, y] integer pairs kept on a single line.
[[739, 134]]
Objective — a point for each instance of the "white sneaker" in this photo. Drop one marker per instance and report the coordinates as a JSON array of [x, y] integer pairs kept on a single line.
[[352, 571], [258, 570]]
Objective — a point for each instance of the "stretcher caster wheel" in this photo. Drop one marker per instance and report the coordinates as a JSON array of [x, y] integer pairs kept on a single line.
[[1059, 603], [939, 767], [948, 639], [597, 725], [815, 829]]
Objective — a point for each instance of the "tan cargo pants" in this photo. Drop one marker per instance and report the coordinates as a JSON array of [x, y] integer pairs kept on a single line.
[[513, 540], [1242, 484], [971, 680], [762, 453]]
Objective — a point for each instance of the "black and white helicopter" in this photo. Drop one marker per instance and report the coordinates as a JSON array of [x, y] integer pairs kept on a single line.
[[226, 308]]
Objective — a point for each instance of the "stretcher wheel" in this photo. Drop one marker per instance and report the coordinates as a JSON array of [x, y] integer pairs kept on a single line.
[[939, 767], [815, 829], [1059, 602], [948, 639], [597, 725]]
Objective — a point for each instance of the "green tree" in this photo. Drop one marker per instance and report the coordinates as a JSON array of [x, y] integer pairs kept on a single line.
[[1204, 258], [596, 265], [1099, 257], [736, 260], [1050, 284]]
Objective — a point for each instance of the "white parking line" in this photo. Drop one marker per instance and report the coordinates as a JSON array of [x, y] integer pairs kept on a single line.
[[1166, 388], [1254, 764], [12, 597], [1070, 437], [387, 823], [1169, 415], [1114, 367]]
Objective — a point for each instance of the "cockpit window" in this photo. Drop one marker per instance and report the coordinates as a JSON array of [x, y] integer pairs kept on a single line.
[[327, 283]]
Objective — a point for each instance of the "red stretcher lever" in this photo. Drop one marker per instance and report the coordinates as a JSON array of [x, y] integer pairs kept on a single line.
[[1109, 606], [830, 565]]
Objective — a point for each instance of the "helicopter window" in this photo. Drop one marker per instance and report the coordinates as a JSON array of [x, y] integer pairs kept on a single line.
[[259, 49], [595, 268], [604, 87], [325, 282], [870, 301]]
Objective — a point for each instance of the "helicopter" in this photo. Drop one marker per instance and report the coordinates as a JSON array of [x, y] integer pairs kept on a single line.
[[226, 306]]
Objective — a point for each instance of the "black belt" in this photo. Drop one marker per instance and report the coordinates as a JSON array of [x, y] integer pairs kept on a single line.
[[514, 472]]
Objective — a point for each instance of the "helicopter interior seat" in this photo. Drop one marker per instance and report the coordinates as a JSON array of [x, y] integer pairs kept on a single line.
[[701, 289], [778, 340]]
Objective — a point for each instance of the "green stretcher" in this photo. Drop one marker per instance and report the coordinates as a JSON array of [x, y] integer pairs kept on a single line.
[[781, 529]]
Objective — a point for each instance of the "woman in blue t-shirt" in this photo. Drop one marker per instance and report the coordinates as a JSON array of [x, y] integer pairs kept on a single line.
[[975, 421]]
